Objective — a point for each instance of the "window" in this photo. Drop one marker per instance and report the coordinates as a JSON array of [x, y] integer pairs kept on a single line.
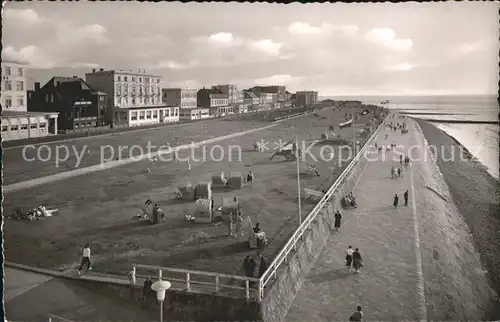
[[42, 125], [76, 125], [133, 79], [125, 78], [33, 126], [20, 101], [119, 78], [101, 98], [140, 79], [118, 88], [7, 71], [141, 115], [8, 101], [52, 98], [125, 101], [148, 115], [158, 81], [176, 112], [20, 72], [8, 85], [14, 128], [125, 88], [134, 116], [89, 124], [133, 101], [20, 86], [5, 128], [24, 127], [155, 114]]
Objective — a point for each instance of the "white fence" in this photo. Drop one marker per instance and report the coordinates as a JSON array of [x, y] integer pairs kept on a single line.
[[251, 288]]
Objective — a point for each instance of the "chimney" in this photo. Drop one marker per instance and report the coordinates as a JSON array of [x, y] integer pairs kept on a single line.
[[37, 86], [101, 69], [75, 76], [93, 70]]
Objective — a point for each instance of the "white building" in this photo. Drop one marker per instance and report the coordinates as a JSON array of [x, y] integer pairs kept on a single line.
[[183, 97], [13, 93], [195, 114], [17, 122], [133, 98]]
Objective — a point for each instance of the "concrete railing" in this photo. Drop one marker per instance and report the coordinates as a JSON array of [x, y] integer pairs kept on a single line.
[[202, 282], [209, 282]]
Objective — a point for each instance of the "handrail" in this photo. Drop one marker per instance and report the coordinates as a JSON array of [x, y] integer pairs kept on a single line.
[[290, 245], [251, 284], [57, 318]]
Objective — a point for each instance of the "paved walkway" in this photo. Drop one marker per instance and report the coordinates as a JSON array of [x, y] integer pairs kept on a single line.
[[389, 285], [31, 296]]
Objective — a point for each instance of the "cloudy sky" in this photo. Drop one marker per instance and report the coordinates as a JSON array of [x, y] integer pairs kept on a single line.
[[337, 49]]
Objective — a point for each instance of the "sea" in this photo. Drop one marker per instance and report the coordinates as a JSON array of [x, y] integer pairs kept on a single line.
[[482, 140]]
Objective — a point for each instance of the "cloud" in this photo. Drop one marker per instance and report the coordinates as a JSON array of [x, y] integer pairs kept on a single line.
[[284, 79], [220, 39], [266, 46], [93, 33], [31, 54], [302, 28], [21, 16], [472, 47], [401, 67], [387, 38], [171, 64]]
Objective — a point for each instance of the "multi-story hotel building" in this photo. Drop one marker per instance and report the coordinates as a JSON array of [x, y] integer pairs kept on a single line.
[[133, 98], [17, 122], [279, 90], [181, 97], [232, 92], [13, 86], [306, 98], [215, 100]]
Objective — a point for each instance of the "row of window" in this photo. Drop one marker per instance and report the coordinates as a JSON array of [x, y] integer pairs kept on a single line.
[[8, 85], [151, 114], [219, 102], [188, 95], [137, 101], [24, 127], [189, 104], [134, 78], [84, 125], [8, 71], [8, 101], [142, 88]]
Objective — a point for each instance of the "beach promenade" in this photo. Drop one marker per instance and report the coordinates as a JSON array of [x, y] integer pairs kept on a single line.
[[390, 285]]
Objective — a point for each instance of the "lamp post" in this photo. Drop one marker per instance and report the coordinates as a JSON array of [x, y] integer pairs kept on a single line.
[[160, 287]]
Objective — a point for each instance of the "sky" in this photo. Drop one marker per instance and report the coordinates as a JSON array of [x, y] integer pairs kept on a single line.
[[443, 48]]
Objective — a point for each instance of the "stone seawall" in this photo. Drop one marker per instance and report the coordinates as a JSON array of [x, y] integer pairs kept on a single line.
[[290, 278]]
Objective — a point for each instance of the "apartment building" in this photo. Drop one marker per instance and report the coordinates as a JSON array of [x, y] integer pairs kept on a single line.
[[17, 122], [278, 90], [306, 98], [182, 97], [134, 98], [13, 93], [215, 100], [79, 105], [232, 92]]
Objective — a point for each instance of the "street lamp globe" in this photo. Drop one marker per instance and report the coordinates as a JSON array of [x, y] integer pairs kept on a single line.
[[160, 287]]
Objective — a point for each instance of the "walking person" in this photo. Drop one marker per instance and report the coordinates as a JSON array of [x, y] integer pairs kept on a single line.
[[249, 266], [399, 172], [405, 196], [400, 159], [239, 222], [357, 261], [146, 293], [230, 225], [357, 316], [396, 200], [348, 257], [338, 218], [86, 263]]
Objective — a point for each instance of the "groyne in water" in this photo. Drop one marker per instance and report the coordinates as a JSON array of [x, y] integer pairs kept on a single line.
[[457, 121]]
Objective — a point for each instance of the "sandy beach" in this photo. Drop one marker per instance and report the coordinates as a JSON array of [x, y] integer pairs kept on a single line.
[[475, 194]]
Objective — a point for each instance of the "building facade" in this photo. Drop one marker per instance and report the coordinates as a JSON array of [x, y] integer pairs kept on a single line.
[[194, 114], [133, 98], [79, 105], [306, 98], [13, 93], [279, 90], [232, 92], [216, 101], [182, 97]]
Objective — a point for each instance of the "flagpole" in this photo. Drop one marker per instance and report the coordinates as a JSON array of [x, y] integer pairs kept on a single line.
[[298, 178]]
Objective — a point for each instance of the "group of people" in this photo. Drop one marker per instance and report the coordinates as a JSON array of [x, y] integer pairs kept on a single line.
[[396, 172], [249, 265], [405, 160], [350, 200], [353, 259], [396, 198]]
